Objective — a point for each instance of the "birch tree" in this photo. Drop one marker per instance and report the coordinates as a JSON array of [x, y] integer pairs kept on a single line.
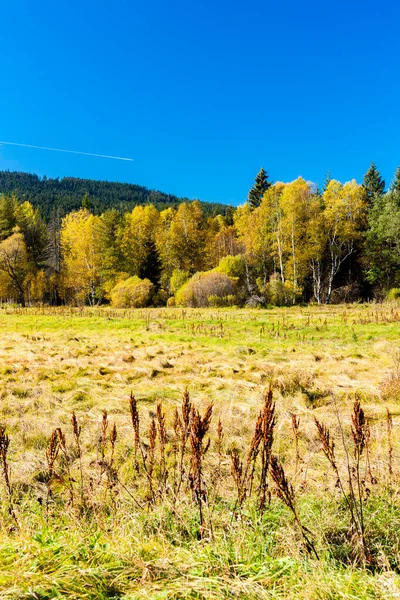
[[344, 217]]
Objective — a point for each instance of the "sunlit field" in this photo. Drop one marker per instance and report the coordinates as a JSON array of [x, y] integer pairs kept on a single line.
[[213, 453]]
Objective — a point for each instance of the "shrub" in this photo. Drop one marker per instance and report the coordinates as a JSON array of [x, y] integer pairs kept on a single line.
[[171, 301], [232, 266], [202, 287], [393, 294], [281, 294], [228, 300], [178, 279], [132, 293], [111, 283]]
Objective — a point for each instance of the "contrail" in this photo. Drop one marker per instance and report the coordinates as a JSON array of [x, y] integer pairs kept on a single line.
[[68, 151]]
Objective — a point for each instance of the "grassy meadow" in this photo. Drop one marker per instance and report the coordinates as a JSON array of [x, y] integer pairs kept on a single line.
[[161, 496]]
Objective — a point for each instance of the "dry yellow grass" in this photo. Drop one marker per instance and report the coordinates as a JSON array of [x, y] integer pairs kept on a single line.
[[56, 361]]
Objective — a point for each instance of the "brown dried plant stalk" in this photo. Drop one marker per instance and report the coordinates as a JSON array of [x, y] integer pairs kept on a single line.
[[103, 438], [76, 428], [162, 436], [184, 423], [237, 474], [354, 496], [147, 457], [51, 456], [177, 426], [199, 428], [296, 435], [285, 492], [219, 446], [359, 435], [261, 443], [244, 476], [4, 444], [150, 463], [108, 465], [328, 447], [52, 453], [135, 424], [267, 437], [63, 447], [113, 439], [389, 428], [369, 474]]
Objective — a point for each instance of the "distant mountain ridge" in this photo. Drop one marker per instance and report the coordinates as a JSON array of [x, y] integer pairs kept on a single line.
[[66, 194]]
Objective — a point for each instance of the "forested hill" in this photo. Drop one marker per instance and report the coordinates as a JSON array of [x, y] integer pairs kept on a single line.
[[67, 194]]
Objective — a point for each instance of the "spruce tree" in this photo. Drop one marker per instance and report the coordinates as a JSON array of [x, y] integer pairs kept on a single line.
[[259, 188], [86, 201], [327, 180], [395, 186], [373, 183]]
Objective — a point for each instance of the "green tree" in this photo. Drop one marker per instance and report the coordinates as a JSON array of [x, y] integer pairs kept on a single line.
[[383, 242], [34, 231], [8, 219], [137, 242], [395, 185], [259, 188], [113, 261], [373, 184], [86, 201], [327, 180]]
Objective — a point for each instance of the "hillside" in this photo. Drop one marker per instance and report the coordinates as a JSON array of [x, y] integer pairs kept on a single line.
[[67, 193]]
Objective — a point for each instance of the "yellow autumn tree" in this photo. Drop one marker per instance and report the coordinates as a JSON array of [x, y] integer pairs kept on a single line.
[[137, 234], [180, 240], [14, 265], [82, 248], [295, 212], [269, 234], [344, 219], [316, 238], [260, 232], [164, 245]]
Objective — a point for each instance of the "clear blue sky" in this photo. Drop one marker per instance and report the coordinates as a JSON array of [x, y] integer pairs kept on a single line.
[[201, 94]]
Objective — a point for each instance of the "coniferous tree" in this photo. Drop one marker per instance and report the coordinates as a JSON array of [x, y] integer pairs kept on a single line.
[[86, 201], [7, 215], [54, 257], [395, 186], [260, 186], [383, 242], [373, 183], [327, 180]]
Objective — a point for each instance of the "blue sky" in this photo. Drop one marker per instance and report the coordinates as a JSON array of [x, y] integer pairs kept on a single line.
[[201, 94]]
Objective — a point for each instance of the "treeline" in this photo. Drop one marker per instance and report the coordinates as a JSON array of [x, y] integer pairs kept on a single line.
[[65, 195], [289, 243]]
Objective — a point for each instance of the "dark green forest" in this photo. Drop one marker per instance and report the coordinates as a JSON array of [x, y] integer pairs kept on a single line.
[[66, 194]]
